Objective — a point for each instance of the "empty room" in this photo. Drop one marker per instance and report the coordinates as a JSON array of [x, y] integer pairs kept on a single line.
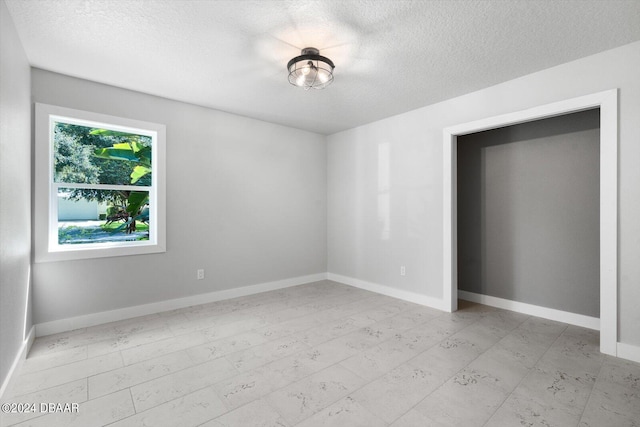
[[307, 213]]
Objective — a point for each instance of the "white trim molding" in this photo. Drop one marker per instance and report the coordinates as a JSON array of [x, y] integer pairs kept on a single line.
[[389, 291], [17, 362], [533, 310], [629, 352], [69, 324], [607, 101]]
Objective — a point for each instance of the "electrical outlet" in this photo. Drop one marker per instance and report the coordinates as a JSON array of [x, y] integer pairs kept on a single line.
[[200, 274], [403, 271]]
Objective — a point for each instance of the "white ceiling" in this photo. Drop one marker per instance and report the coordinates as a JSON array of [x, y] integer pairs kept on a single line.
[[390, 56]]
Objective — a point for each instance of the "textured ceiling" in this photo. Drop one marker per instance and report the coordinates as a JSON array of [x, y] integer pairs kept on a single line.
[[390, 56]]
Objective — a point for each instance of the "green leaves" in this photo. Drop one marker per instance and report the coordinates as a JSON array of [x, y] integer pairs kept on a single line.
[[138, 172], [131, 151], [107, 132], [136, 200], [72, 159], [114, 153]]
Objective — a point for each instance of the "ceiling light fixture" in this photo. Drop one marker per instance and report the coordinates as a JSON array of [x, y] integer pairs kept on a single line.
[[310, 70]]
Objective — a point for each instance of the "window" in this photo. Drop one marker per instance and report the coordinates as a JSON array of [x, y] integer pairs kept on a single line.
[[99, 185]]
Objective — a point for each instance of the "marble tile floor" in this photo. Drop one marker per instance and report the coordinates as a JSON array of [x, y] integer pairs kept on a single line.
[[327, 354]]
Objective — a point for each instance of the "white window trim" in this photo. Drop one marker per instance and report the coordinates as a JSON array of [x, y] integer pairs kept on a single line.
[[45, 217]]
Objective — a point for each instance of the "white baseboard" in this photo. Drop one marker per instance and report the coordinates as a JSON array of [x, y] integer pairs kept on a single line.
[[624, 351], [69, 324], [628, 351], [533, 310], [17, 362], [389, 291]]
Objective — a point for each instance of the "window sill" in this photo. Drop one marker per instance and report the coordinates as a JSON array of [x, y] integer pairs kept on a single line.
[[98, 252]]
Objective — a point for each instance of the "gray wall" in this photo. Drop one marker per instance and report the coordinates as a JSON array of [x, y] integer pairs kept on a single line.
[[246, 201], [528, 213], [15, 192], [361, 246]]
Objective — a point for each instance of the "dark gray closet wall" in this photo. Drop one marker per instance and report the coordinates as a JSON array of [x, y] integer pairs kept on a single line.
[[528, 213]]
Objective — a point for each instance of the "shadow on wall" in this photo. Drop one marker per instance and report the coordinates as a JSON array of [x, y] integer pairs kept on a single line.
[[528, 212]]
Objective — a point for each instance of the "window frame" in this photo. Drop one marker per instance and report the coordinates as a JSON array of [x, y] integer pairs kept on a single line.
[[45, 219]]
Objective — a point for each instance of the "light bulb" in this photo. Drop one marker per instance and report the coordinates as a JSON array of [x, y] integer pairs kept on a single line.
[[310, 70]]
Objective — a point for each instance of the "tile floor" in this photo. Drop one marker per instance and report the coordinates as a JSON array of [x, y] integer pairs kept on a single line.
[[326, 354]]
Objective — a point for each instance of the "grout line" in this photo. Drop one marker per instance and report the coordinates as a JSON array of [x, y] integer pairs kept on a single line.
[[224, 356], [197, 364], [595, 382], [415, 357], [167, 326], [473, 323], [529, 371], [261, 308], [133, 404], [293, 354], [310, 374], [62, 364], [63, 383]]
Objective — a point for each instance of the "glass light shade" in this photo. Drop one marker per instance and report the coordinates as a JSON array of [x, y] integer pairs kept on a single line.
[[310, 70]]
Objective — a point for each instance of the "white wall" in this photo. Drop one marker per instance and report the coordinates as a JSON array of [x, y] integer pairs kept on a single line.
[[361, 246], [246, 201], [70, 210], [15, 193]]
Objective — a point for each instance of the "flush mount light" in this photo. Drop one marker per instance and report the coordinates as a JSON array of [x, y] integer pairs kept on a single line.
[[310, 70]]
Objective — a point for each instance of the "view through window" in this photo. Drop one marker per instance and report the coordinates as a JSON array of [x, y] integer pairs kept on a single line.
[[99, 185], [102, 180]]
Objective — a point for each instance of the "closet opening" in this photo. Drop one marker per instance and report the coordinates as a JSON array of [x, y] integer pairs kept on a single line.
[[528, 220], [539, 220]]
